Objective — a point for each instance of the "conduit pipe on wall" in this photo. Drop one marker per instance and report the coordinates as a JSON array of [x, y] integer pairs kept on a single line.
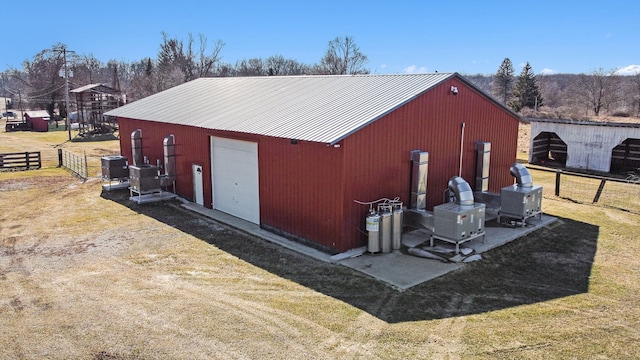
[[461, 149]]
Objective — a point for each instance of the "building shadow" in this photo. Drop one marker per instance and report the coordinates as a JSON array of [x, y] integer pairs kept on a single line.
[[550, 263]]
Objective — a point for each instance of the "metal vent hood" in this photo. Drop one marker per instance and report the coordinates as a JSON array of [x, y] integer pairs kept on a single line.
[[462, 191], [522, 175]]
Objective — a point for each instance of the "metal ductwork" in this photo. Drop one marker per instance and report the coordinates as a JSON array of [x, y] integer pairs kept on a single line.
[[169, 160], [522, 175], [419, 170], [461, 190], [483, 157], [136, 147], [417, 215]]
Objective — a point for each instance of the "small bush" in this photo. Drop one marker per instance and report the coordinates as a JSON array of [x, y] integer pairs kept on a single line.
[[620, 113]]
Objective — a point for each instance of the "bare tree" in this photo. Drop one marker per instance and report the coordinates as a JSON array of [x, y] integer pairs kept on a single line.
[[178, 63], [42, 76], [142, 79], [279, 65], [635, 93], [250, 67], [342, 57], [597, 90]]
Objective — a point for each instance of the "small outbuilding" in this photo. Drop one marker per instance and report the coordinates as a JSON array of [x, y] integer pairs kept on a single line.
[[93, 101], [299, 154], [585, 145], [37, 120]]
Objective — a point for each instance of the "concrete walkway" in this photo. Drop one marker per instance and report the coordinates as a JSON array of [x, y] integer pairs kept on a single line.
[[396, 268]]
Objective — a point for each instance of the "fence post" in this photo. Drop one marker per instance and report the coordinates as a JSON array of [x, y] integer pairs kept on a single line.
[[59, 157], [26, 155], [600, 188], [86, 166], [557, 182]]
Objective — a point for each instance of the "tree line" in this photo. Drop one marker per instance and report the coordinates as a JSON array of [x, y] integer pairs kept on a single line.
[[568, 96], [40, 84]]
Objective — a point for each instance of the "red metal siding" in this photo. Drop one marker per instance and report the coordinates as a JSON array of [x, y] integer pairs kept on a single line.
[[307, 190], [299, 184], [300, 189], [377, 158], [191, 147]]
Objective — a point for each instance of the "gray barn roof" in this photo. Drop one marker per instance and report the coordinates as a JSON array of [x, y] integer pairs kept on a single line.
[[312, 108]]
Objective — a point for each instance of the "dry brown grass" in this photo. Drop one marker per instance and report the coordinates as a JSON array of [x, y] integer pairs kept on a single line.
[[90, 275]]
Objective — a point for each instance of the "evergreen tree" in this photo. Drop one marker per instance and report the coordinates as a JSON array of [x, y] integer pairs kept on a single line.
[[526, 92], [503, 81]]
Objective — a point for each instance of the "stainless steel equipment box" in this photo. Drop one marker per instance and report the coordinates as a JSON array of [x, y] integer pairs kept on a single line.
[[458, 222], [114, 167], [520, 202], [144, 178]]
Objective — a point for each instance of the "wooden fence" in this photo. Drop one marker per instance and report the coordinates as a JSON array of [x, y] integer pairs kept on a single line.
[[618, 193], [21, 161]]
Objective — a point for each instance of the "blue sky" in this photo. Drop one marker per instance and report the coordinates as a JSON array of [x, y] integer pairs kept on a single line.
[[469, 37]]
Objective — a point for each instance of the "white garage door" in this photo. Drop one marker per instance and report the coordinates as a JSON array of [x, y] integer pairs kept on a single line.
[[234, 174]]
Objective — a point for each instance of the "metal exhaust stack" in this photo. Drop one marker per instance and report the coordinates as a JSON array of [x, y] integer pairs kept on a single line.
[[419, 171], [483, 161], [169, 177], [417, 216], [483, 158], [136, 147]]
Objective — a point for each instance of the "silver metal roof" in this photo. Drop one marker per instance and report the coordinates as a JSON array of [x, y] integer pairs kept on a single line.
[[91, 87], [311, 108]]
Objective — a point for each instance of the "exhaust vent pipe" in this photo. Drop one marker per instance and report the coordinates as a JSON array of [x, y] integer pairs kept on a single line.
[[136, 147], [169, 160], [462, 191], [522, 175], [420, 167], [483, 157]]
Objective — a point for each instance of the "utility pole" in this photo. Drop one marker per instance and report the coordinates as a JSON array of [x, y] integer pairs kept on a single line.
[[64, 51]]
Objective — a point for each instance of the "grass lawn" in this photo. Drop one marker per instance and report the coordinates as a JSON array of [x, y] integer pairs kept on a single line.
[[87, 274]]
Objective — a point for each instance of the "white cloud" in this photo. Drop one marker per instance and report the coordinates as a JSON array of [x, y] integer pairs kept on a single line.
[[383, 66], [547, 71], [629, 70], [415, 70]]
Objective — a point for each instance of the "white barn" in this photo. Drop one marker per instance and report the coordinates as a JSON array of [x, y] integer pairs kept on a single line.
[[585, 145]]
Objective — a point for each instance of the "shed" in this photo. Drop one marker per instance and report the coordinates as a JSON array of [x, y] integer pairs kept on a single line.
[[93, 101], [295, 154], [37, 120], [585, 145]]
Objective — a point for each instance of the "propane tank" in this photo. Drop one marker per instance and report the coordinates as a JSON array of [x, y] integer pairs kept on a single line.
[[396, 220], [385, 227], [373, 229]]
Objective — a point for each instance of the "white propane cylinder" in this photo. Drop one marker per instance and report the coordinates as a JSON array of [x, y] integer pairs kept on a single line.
[[373, 230]]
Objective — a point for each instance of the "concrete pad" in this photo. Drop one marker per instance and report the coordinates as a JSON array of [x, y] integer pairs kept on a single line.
[[404, 271], [397, 269], [152, 197], [115, 185]]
